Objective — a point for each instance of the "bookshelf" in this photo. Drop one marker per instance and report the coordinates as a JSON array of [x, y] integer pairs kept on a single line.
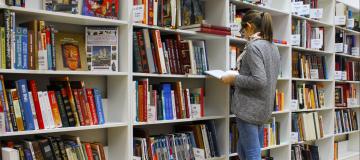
[[117, 133]]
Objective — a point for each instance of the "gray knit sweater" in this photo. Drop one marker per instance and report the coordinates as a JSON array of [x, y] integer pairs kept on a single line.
[[254, 95]]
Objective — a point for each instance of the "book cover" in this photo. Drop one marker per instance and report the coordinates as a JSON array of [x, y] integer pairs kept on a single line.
[[99, 106], [90, 98], [102, 48], [33, 110], [25, 106], [104, 8], [34, 92], [54, 109], [81, 112], [70, 49], [32, 27], [18, 48]]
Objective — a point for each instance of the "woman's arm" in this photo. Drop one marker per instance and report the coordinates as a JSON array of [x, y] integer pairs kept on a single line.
[[257, 78]]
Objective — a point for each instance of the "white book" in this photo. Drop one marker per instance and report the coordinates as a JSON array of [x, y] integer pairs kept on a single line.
[[220, 73], [173, 106], [311, 126], [42, 59], [192, 57], [48, 110], [43, 110], [10, 154], [317, 125], [188, 101], [178, 12], [2, 123], [173, 12], [33, 111], [206, 141], [155, 12]]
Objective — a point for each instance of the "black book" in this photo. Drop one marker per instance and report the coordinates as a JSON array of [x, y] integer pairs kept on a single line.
[[12, 111], [61, 105], [46, 149], [54, 147], [314, 152], [210, 125], [61, 148]]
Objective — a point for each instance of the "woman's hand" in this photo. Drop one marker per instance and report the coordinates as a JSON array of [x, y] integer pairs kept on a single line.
[[228, 79]]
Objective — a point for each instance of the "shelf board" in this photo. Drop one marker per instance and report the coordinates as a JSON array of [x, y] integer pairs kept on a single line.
[[275, 146], [178, 120], [68, 18], [322, 138], [67, 129], [352, 107], [345, 133], [51, 72], [242, 40], [283, 79], [312, 110], [167, 75], [347, 55], [349, 155], [314, 21], [273, 113], [233, 154], [216, 158], [351, 82], [352, 32], [311, 50], [272, 11], [312, 80]]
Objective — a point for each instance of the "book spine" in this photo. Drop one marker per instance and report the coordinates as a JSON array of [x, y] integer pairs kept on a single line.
[[85, 107], [19, 118], [150, 12], [7, 39], [48, 108], [33, 110], [89, 153], [64, 118], [12, 40], [53, 50], [72, 104], [99, 106], [68, 108], [78, 107], [48, 48], [21, 85], [2, 49], [18, 47], [144, 60], [90, 98], [24, 50], [12, 111], [31, 56], [43, 110], [137, 59], [54, 109], [34, 92]]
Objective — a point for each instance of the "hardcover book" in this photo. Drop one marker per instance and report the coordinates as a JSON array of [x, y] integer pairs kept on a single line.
[[103, 8]]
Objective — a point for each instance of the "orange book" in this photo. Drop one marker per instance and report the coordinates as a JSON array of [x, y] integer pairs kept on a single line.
[[88, 151], [54, 109], [141, 103], [282, 101]]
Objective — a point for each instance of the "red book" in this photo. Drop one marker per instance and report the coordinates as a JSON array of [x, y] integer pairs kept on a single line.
[[88, 151], [141, 44], [78, 107], [85, 107], [214, 31], [202, 105], [34, 93], [90, 98], [55, 109], [265, 137], [144, 91], [150, 12], [140, 103]]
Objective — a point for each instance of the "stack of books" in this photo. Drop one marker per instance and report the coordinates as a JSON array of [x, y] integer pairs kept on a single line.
[[308, 126], [308, 66], [184, 143], [309, 96], [34, 45], [50, 147], [208, 28], [65, 104], [346, 121], [168, 54], [167, 101]]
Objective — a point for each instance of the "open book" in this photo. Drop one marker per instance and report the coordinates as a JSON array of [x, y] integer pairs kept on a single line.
[[219, 73]]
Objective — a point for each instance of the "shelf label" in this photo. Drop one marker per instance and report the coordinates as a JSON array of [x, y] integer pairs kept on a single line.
[[138, 12], [195, 110], [151, 113], [316, 13], [338, 75], [340, 20], [199, 154], [235, 28], [304, 10], [350, 23], [136, 158], [343, 76], [314, 73], [296, 6], [294, 105], [339, 47], [355, 51], [346, 48], [294, 137], [316, 43], [295, 39]]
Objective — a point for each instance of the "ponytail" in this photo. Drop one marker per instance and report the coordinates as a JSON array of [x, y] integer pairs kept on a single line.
[[262, 22]]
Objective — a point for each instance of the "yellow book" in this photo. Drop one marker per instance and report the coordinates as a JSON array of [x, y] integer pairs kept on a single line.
[[312, 99], [282, 101], [17, 110], [3, 56]]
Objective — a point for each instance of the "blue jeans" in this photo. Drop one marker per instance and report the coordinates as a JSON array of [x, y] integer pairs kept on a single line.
[[251, 139]]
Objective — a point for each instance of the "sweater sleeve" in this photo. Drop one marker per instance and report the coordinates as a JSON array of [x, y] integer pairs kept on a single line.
[[257, 78]]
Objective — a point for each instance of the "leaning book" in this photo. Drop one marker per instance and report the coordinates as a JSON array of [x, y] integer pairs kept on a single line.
[[102, 48]]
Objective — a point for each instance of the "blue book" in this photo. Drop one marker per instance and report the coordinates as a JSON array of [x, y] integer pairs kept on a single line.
[[25, 54], [163, 104], [49, 56], [28, 155], [99, 106], [18, 48], [21, 86], [168, 103]]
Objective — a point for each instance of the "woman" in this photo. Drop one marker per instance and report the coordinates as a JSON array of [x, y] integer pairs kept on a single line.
[[254, 95]]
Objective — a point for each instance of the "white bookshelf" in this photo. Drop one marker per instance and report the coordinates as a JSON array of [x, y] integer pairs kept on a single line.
[[117, 133]]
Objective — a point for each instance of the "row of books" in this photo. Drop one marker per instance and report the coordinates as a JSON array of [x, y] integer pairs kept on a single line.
[[35, 45], [186, 142], [346, 43], [308, 96], [308, 126], [304, 152], [344, 16], [51, 148], [271, 133], [169, 54], [346, 95], [304, 34], [279, 101], [308, 66], [170, 13], [107, 9], [345, 148], [346, 121], [64, 104], [346, 69], [167, 101]]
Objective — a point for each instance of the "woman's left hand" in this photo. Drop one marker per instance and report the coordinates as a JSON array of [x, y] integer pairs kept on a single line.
[[228, 79]]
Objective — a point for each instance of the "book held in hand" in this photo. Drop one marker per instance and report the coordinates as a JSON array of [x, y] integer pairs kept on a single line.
[[219, 73]]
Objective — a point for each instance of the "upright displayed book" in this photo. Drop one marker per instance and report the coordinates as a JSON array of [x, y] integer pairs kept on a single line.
[[103, 9], [346, 95], [346, 120], [308, 95]]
